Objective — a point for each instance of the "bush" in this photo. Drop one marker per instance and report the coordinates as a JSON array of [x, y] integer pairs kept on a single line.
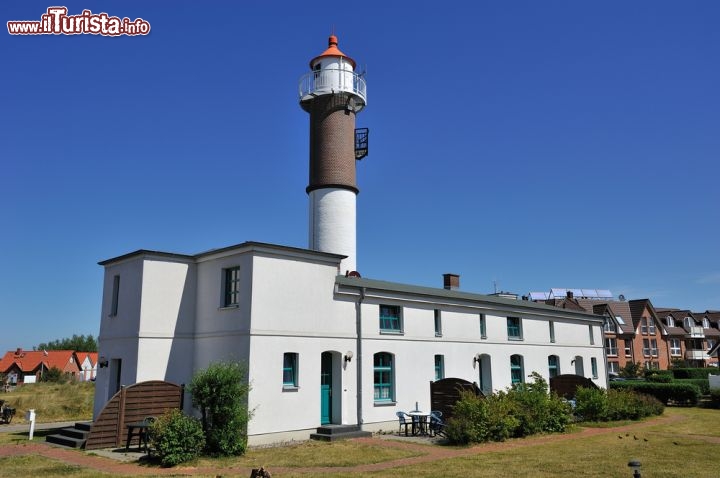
[[693, 372], [702, 383], [659, 376], [615, 404], [176, 438], [715, 398], [679, 393], [631, 370], [53, 375], [523, 410], [591, 404], [220, 393]]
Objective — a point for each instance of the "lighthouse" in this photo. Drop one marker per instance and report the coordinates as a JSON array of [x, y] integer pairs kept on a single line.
[[333, 94]]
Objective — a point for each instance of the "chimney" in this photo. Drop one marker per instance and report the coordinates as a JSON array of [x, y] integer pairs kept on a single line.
[[19, 351], [569, 294], [451, 281]]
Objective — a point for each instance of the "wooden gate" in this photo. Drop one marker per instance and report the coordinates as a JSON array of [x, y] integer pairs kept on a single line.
[[132, 404], [446, 392]]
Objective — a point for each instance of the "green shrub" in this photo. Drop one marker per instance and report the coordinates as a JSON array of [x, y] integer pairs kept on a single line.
[[693, 372], [631, 370], [656, 374], [220, 393], [679, 393], [702, 383], [715, 398], [624, 404], [176, 438], [53, 375], [524, 409], [591, 404]]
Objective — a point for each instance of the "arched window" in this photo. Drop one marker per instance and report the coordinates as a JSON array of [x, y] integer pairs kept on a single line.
[[670, 321], [384, 377], [553, 366], [689, 322], [516, 369], [485, 374], [706, 323]]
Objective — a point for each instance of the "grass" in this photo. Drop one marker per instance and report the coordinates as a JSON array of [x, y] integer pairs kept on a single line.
[[52, 402], [40, 466]]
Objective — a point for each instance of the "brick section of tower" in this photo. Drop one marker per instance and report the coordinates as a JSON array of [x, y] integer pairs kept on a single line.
[[332, 142]]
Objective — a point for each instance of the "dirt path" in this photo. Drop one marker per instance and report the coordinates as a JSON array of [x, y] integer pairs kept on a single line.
[[428, 454]]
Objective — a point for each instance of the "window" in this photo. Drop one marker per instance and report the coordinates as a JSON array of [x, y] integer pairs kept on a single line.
[[646, 347], [439, 367], [553, 366], [613, 367], [390, 319], [689, 322], [649, 365], [483, 327], [551, 324], [609, 325], [651, 326], [643, 326], [593, 366], [514, 328], [653, 347], [383, 377], [628, 348], [706, 323], [516, 369], [592, 335], [290, 369], [115, 296], [231, 278], [611, 346], [675, 347], [438, 323], [669, 321]]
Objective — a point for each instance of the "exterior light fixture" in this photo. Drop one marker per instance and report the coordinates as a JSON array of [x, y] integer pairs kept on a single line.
[[635, 465], [348, 356], [103, 362]]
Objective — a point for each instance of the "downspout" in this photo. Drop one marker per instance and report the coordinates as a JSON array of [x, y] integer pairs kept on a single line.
[[358, 360]]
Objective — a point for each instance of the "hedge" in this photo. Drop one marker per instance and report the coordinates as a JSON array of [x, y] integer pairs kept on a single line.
[[679, 393], [702, 383], [694, 372], [659, 373]]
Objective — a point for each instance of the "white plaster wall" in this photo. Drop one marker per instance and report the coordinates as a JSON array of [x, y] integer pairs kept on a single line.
[[276, 409], [295, 298], [332, 224], [168, 299]]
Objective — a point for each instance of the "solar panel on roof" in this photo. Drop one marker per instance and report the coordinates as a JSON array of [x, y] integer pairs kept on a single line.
[[539, 295], [590, 293], [604, 293]]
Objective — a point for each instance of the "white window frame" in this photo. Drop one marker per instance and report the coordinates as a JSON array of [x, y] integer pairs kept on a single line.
[[675, 348], [611, 346]]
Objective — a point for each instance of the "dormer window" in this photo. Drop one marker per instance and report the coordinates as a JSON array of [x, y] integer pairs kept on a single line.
[[706, 323], [670, 321], [689, 322]]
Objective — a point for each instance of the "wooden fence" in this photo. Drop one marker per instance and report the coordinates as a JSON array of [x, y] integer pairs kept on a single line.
[[132, 404]]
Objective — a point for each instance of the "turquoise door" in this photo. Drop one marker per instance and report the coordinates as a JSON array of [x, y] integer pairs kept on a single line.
[[326, 388]]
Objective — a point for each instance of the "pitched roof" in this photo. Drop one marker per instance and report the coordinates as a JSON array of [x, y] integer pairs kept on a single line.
[[30, 360]]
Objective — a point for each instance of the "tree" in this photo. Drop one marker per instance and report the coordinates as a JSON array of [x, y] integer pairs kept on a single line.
[[220, 393], [78, 343], [53, 375], [631, 370]]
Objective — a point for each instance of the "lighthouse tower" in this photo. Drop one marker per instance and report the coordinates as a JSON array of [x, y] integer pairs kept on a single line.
[[332, 93]]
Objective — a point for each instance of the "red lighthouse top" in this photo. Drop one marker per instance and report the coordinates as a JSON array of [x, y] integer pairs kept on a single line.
[[333, 51]]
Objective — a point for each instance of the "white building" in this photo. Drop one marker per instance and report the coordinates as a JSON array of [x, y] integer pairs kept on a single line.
[[323, 346]]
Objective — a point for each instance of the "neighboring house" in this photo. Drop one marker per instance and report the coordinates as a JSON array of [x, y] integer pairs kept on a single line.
[[684, 326], [88, 365], [651, 339], [23, 366]]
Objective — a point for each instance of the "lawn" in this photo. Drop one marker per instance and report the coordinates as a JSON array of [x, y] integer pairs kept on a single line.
[[52, 402], [681, 443]]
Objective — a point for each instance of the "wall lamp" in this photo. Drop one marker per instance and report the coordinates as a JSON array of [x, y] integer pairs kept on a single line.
[[476, 359], [348, 356], [103, 362]]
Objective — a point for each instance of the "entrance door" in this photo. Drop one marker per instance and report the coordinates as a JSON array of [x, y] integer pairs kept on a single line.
[[326, 388]]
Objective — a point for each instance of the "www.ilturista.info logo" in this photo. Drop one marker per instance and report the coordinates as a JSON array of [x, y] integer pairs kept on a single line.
[[57, 22]]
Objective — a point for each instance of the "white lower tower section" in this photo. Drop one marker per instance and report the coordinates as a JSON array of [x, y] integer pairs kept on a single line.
[[332, 224]]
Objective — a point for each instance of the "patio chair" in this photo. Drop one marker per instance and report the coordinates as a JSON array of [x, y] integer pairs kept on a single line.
[[404, 421], [145, 432], [437, 426]]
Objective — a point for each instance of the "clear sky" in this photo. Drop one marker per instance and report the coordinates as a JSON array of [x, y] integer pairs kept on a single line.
[[523, 145]]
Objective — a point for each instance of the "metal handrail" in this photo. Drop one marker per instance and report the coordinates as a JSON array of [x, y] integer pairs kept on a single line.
[[332, 79]]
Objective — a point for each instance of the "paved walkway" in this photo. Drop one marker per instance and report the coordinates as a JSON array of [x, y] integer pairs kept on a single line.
[[102, 463]]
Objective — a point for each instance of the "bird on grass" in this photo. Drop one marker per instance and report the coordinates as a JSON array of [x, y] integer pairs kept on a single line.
[[635, 437], [645, 439], [620, 437]]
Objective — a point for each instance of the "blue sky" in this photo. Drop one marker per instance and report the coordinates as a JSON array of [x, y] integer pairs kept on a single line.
[[527, 144]]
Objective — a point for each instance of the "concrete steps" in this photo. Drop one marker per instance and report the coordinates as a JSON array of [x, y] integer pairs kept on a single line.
[[72, 437], [338, 432]]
